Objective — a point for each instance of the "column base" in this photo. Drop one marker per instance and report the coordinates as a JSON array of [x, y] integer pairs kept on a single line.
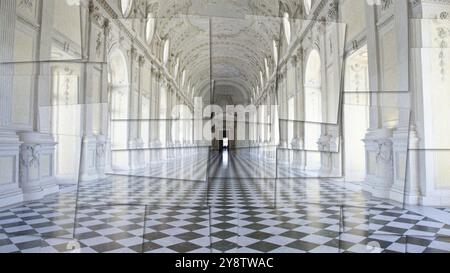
[[366, 186], [10, 192], [401, 196], [66, 181], [377, 188], [89, 159], [49, 187], [12, 197], [88, 177], [32, 194], [36, 170], [435, 201], [137, 156]]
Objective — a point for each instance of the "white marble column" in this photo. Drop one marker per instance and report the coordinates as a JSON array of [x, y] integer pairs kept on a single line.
[[10, 192], [378, 140], [405, 188], [89, 29]]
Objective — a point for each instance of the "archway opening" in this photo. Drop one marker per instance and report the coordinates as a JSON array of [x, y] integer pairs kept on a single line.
[[313, 106], [118, 106]]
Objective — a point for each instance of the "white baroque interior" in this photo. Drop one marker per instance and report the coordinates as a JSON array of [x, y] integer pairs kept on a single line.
[[88, 88]]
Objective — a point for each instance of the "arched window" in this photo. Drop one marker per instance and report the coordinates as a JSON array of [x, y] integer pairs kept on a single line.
[[291, 118], [126, 6], [308, 6], [275, 54], [287, 27], [313, 106], [150, 28], [175, 70], [163, 114], [145, 115], [119, 98], [166, 51], [266, 64], [183, 77], [261, 76], [313, 76]]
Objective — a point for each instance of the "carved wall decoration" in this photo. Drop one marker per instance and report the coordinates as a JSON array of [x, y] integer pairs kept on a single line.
[[27, 7], [384, 152], [99, 44], [442, 39], [386, 4], [29, 155]]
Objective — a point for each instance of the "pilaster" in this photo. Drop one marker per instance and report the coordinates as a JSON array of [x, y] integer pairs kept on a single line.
[[37, 171], [379, 163], [10, 192]]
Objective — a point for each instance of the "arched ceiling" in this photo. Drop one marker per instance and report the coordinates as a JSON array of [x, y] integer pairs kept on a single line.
[[222, 40]]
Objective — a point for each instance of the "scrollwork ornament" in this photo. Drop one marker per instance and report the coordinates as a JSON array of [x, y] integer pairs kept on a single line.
[[29, 155], [384, 152]]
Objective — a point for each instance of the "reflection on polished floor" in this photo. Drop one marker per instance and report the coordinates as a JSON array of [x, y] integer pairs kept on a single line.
[[238, 208], [242, 163]]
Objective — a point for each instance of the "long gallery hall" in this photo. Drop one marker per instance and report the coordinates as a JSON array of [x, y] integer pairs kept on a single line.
[[224, 126]]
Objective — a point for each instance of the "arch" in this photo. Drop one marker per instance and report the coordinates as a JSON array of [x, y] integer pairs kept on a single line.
[[163, 113], [204, 89], [275, 54], [261, 77], [176, 68], [313, 105], [150, 28], [166, 51], [307, 5], [118, 68], [266, 66], [118, 105], [313, 75], [126, 7], [183, 77], [287, 27]]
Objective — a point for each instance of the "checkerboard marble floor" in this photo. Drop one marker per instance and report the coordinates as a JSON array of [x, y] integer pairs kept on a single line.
[[230, 212], [177, 165]]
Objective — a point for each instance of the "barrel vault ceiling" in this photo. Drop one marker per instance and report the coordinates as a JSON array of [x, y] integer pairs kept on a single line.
[[222, 41]]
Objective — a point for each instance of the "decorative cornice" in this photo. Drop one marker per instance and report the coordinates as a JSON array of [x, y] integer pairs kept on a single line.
[[139, 45]]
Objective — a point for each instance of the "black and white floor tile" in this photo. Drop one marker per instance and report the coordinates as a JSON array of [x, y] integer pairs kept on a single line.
[[177, 230], [261, 230], [175, 167], [233, 214], [445, 210]]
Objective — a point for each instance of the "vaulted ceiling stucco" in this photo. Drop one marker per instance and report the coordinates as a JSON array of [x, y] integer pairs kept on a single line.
[[226, 41]]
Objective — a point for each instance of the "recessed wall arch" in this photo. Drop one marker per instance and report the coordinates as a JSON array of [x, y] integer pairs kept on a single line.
[[126, 6], [150, 27], [313, 68], [313, 104], [307, 4], [118, 93]]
